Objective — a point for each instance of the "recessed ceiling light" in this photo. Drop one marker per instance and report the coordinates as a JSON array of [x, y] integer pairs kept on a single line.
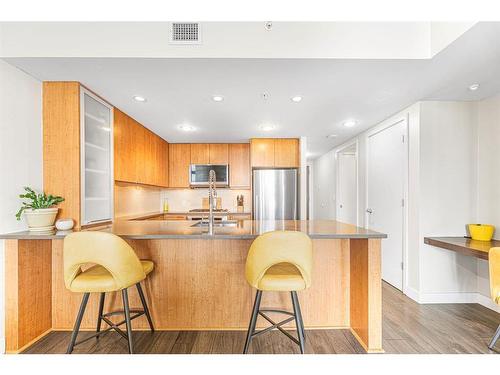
[[218, 98], [349, 123], [187, 128], [474, 87], [331, 136], [296, 99], [267, 127], [139, 98]]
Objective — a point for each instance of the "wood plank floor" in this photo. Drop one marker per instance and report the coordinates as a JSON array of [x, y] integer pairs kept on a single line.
[[407, 328]]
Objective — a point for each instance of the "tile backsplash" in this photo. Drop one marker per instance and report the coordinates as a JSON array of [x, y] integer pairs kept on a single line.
[[181, 200], [136, 199]]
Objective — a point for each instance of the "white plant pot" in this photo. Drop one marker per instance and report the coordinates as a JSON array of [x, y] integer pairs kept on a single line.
[[41, 218]]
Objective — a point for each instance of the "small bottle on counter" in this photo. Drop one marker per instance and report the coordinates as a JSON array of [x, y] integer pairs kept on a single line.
[[239, 203], [165, 205]]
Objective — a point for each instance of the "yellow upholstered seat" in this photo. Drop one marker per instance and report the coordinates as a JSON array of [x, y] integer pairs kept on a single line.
[[282, 277], [116, 264], [102, 262], [494, 264], [280, 261], [98, 279]]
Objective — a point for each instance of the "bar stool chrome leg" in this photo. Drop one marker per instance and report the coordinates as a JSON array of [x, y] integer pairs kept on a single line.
[[128, 321], [495, 338], [253, 320], [145, 306], [76, 328], [298, 321], [99, 317]]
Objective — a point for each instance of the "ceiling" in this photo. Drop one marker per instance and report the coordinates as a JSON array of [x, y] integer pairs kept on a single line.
[[179, 91]]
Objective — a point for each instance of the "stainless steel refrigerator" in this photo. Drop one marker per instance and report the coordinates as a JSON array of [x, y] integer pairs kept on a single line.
[[275, 194]]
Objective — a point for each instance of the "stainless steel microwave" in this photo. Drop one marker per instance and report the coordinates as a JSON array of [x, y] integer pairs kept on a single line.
[[198, 174]]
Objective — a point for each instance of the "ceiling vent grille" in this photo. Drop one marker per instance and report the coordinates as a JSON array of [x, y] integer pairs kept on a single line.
[[185, 33]]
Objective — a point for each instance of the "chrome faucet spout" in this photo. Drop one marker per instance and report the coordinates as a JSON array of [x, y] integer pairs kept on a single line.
[[212, 195]]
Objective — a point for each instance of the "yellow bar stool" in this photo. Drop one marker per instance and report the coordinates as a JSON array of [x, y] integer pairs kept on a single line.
[[279, 261], [494, 263], [115, 267]]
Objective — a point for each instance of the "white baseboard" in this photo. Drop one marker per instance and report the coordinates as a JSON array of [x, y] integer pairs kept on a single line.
[[456, 297], [453, 297], [487, 302], [412, 293]]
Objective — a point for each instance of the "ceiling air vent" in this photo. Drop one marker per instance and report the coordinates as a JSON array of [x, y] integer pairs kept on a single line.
[[185, 33]]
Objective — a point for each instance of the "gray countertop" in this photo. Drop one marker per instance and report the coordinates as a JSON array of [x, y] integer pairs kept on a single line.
[[245, 229]]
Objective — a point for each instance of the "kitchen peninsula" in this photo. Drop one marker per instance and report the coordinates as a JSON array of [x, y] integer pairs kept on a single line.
[[198, 282]]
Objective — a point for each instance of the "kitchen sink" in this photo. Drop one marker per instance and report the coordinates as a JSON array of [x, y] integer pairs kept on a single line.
[[218, 223]]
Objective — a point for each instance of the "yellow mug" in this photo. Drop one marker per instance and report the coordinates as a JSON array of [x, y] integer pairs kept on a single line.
[[481, 232]]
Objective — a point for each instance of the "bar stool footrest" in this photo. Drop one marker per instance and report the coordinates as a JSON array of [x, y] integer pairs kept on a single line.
[[112, 325], [276, 325]]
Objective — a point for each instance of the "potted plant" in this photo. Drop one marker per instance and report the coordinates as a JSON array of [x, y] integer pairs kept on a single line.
[[40, 212]]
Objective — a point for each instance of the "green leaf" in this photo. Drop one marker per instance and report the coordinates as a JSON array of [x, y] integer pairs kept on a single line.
[[37, 201]]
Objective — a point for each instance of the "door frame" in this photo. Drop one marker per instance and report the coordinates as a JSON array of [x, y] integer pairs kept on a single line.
[[337, 176], [395, 121]]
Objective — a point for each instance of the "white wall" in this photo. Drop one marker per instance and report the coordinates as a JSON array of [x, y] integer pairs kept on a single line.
[[453, 180], [399, 40], [443, 33], [488, 177], [446, 200], [20, 153], [325, 184], [323, 187]]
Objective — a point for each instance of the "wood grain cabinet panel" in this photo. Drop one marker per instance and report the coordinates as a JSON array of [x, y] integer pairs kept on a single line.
[[218, 153], [61, 145], [262, 152], [123, 147], [286, 153], [179, 157], [163, 163], [147, 162], [200, 153], [239, 165], [140, 156]]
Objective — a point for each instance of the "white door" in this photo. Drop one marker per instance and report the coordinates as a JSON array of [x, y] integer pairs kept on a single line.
[[385, 211], [347, 197]]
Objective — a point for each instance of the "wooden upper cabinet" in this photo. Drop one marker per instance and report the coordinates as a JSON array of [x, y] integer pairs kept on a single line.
[[140, 156], [239, 165], [275, 152], [179, 158], [200, 153], [163, 163], [61, 145], [127, 147], [286, 153], [262, 152], [218, 153]]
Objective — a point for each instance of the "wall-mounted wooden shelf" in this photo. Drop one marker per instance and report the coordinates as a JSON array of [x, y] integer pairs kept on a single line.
[[463, 245]]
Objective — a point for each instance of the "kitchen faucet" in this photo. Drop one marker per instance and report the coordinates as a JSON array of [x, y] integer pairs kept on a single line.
[[212, 195]]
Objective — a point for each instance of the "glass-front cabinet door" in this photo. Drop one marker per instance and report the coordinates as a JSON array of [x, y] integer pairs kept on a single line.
[[96, 159]]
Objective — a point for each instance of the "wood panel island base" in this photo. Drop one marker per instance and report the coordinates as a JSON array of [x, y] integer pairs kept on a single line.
[[199, 280]]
